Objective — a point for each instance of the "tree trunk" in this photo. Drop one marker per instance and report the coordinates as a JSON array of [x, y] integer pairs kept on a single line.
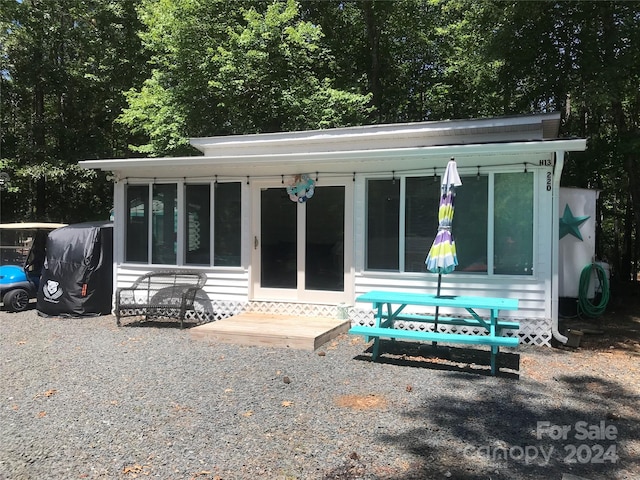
[[627, 243], [632, 169], [39, 147], [373, 38]]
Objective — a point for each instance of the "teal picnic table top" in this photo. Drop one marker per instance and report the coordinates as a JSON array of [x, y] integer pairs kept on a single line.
[[459, 301]]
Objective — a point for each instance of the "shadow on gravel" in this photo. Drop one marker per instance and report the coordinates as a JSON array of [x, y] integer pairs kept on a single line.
[[618, 327], [576, 425], [441, 357], [30, 306], [159, 324]]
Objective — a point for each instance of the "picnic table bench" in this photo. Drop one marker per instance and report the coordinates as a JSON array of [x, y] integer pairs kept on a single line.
[[162, 293], [389, 307]]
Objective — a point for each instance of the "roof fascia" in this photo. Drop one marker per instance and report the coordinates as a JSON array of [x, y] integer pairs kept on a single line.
[[483, 149]]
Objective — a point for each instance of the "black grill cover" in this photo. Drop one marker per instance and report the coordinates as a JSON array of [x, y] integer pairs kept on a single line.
[[77, 279]]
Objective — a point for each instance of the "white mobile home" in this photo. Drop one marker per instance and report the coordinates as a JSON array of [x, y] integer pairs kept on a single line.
[[309, 220]]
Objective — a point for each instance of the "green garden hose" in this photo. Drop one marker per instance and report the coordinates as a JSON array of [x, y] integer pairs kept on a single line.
[[584, 304]]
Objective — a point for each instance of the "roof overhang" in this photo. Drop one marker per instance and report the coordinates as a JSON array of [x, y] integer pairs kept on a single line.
[[31, 226], [337, 161]]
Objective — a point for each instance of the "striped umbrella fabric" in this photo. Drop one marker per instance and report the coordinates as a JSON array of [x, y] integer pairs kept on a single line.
[[442, 256]]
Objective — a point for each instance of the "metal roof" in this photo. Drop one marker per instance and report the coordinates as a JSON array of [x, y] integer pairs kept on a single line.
[[369, 148]]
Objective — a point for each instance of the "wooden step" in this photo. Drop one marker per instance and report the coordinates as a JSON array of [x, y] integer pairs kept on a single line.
[[289, 331]]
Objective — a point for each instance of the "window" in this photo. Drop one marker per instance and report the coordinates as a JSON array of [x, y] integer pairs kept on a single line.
[[513, 223], [421, 220], [197, 245], [383, 223], [227, 226], [164, 224], [137, 233], [470, 223], [493, 230], [159, 215]]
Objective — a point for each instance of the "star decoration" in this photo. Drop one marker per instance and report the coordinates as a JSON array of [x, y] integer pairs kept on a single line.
[[570, 224]]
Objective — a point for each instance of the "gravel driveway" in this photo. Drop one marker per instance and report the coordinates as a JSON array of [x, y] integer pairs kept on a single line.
[[81, 398]]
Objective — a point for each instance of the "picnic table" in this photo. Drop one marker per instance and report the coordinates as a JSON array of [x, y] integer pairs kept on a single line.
[[390, 306]]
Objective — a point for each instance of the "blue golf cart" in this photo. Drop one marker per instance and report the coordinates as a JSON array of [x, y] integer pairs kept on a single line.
[[22, 254]]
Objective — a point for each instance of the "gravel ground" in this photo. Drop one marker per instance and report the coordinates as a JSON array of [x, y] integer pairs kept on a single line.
[[81, 398]]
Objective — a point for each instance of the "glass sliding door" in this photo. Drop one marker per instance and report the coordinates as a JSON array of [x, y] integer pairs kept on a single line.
[[299, 249], [324, 240], [278, 239]]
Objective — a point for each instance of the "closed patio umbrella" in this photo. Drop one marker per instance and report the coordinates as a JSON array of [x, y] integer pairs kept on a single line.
[[442, 256]]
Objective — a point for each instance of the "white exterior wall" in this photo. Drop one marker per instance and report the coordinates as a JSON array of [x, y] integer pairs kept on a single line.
[[575, 254], [233, 284]]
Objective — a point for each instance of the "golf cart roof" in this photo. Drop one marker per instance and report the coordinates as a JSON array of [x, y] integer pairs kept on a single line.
[[31, 226]]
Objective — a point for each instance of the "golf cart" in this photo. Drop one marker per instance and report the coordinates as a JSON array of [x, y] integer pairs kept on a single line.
[[22, 254]]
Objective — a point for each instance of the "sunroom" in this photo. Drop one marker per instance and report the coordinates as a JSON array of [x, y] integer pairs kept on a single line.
[[307, 221]]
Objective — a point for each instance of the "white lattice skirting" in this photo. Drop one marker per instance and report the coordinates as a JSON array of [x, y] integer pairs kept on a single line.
[[532, 331], [209, 311]]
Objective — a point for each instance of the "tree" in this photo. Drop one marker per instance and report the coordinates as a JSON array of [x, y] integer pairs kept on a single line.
[[64, 65], [392, 53], [586, 64], [213, 68], [256, 69], [579, 58]]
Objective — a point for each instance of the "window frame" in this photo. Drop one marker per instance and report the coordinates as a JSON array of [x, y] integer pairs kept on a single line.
[[486, 171], [181, 186]]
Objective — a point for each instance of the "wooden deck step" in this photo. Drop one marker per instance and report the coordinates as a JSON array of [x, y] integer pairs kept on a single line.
[[290, 331]]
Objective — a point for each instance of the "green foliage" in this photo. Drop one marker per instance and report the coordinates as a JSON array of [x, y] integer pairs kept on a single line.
[[63, 67], [153, 113], [270, 63], [216, 71], [79, 194], [172, 69], [579, 58]]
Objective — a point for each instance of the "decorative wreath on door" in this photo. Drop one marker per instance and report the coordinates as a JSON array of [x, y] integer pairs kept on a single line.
[[301, 189]]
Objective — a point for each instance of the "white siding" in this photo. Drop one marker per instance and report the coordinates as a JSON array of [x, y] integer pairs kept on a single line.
[[222, 284], [544, 216]]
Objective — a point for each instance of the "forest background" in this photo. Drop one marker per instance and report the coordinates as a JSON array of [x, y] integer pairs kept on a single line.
[[90, 79]]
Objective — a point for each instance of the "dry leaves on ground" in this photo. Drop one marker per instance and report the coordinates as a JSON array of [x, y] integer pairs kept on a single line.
[[49, 393], [361, 402]]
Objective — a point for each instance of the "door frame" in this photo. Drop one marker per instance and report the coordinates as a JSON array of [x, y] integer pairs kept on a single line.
[[300, 294]]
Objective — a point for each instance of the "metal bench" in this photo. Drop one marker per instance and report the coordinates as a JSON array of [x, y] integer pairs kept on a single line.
[[160, 294], [388, 307]]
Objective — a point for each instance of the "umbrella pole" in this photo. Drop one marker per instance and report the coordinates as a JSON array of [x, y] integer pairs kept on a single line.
[[435, 323]]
